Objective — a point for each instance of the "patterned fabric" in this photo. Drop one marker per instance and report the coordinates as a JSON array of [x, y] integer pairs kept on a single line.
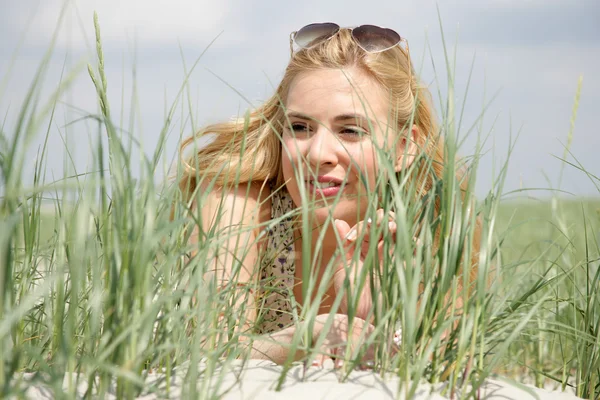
[[277, 268]]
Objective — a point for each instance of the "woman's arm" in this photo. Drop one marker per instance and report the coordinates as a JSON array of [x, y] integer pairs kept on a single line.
[[235, 217], [333, 341], [275, 346], [232, 217]]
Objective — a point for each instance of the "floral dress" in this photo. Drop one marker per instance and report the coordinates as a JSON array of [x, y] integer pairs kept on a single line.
[[277, 272], [275, 301]]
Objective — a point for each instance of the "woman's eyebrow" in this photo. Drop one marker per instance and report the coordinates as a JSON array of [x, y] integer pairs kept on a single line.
[[338, 118], [359, 117], [294, 114]]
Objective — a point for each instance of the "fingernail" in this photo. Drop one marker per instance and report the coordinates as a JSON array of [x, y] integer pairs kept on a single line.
[[351, 235], [392, 225], [369, 221], [316, 363]]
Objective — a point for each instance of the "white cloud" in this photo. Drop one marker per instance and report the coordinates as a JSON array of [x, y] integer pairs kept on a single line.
[[151, 23]]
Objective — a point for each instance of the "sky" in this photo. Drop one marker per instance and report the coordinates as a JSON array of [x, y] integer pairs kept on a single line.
[[521, 61]]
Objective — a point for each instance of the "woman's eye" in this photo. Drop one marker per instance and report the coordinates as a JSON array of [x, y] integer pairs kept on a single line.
[[299, 127], [352, 131]]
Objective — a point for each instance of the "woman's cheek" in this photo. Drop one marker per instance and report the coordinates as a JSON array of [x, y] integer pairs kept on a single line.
[[288, 157], [364, 165]]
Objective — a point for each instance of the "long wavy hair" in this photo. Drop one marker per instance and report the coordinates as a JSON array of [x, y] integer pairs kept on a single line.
[[250, 148]]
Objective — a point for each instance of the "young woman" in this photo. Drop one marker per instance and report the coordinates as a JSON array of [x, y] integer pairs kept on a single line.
[[348, 97]]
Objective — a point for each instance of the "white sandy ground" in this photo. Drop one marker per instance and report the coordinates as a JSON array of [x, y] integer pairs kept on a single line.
[[258, 378]]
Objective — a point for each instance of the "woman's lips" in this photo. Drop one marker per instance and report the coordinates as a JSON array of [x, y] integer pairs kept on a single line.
[[325, 186]]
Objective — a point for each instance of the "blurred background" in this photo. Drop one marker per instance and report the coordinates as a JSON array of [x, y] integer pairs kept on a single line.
[[526, 58]]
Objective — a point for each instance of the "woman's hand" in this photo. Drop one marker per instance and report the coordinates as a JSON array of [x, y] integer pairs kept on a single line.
[[340, 335], [350, 266]]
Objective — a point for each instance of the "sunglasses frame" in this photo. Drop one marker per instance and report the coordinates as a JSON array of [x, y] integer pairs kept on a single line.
[[338, 29]]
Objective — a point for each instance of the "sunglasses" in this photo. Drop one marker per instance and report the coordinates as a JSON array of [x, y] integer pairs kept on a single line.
[[370, 38]]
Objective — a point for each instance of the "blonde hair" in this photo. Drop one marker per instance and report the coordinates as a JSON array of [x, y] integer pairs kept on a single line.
[[257, 134], [249, 149]]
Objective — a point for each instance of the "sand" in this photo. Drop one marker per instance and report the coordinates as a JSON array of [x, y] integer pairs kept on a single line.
[[258, 378]]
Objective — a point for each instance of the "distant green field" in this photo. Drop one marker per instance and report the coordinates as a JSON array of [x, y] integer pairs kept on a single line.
[[548, 239], [529, 227]]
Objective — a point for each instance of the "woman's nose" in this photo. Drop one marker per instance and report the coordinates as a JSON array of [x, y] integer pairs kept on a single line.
[[323, 149]]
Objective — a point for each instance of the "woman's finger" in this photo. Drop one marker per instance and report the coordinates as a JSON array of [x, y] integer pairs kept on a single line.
[[390, 219], [365, 245], [326, 354], [354, 233], [366, 365], [342, 228], [383, 217], [338, 357], [363, 228], [322, 357], [317, 362]]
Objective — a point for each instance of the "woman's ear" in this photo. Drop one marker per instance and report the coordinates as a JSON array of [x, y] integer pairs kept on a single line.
[[407, 149]]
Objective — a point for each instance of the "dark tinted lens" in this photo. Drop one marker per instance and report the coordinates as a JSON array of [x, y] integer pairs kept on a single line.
[[373, 38], [315, 33]]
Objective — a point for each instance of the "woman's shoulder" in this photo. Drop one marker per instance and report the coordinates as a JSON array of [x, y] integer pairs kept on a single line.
[[246, 204]]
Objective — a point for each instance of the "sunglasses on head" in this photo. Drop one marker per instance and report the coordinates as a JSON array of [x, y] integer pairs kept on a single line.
[[370, 38]]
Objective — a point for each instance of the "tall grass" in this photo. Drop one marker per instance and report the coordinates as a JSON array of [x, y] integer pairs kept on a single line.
[[104, 285]]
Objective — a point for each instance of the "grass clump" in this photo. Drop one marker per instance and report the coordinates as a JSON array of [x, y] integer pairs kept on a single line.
[[99, 281]]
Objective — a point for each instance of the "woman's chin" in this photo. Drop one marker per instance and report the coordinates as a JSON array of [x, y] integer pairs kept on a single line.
[[327, 214]]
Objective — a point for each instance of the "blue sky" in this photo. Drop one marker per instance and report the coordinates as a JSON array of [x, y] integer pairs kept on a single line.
[[528, 53]]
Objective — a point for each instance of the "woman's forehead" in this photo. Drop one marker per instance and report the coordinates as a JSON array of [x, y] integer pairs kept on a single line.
[[327, 91]]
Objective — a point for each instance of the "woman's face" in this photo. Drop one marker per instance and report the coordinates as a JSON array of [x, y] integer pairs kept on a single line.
[[329, 138]]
